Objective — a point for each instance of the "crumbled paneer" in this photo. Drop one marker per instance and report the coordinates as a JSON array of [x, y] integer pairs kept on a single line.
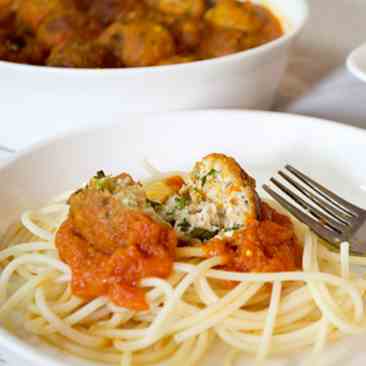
[[217, 198], [130, 194]]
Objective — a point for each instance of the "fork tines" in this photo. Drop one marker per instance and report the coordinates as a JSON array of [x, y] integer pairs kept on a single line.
[[327, 214]]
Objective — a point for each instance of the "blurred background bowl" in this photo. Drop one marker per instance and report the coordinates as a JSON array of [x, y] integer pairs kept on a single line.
[[247, 79]]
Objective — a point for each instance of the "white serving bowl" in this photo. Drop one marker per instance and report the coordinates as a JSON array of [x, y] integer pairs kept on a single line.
[[247, 79]]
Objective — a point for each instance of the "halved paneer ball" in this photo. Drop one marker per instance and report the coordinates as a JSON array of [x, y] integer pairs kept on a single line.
[[218, 198]]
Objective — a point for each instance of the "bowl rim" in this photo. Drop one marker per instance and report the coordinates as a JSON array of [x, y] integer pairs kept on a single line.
[[195, 65], [79, 131]]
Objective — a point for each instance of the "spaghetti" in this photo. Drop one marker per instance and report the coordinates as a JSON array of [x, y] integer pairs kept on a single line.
[[264, 314]]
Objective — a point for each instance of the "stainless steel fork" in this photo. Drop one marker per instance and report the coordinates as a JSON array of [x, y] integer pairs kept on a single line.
[[330, 216]]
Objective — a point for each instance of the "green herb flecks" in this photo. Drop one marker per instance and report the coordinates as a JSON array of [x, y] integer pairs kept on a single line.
[[102, 182], [184, 226], [211, 173], [100, 174], [232, 228], [155, 205], [203, 234], [181, 202]]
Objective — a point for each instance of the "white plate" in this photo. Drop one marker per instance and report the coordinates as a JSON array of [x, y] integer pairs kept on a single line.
[[263, 142]]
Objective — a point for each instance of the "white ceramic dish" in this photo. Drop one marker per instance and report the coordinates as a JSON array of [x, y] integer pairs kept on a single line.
[[356, 62], [247, 79], [263, 142]]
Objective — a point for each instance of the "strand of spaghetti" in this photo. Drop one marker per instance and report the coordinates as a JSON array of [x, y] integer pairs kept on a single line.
[[153, 355], [22, 293], [161, 286], [344, 257], [292, 276], [265, 342], [230, 357], [120, 333], [116, 320], [24, 248], [156, 329], [199, 349], [85, 311], [164, 288], [281, 344], [334, 257], [289, 303], [189, 252], [87, 353], [39, 326], [62, 307], [310, 263], [10, 235], [126, 359], [66, 307], [33, 228], [180, 357], [324, 325], [215, 313], [321, 336], [28, 258], [98, 315], [242, 324], [24, 273], [112, 356], [207, 295], [324, 301], [61, 326]]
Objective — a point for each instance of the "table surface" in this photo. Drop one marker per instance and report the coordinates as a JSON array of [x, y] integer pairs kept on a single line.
[[317, 82]]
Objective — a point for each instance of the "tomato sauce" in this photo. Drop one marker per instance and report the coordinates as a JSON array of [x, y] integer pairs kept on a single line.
[[268, 245], [115, 273]]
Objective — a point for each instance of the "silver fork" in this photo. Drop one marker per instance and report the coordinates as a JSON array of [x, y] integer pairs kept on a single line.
[[330, 216]]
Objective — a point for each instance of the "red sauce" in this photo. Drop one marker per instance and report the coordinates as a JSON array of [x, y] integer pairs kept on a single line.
[[175, 182], [269, 245], [144, 248]]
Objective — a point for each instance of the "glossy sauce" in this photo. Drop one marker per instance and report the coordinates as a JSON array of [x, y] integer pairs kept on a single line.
[[141, 248], [130, 33], [269, 245]]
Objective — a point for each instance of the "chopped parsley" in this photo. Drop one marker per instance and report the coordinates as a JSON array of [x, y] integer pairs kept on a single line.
[[102, 182], [181, 202], [100, 174], [235, 227], [155, 205], [211, 173], [184, 225], [203, 234]]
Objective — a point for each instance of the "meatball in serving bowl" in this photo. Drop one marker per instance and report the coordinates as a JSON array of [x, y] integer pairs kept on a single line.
[[95, 58]]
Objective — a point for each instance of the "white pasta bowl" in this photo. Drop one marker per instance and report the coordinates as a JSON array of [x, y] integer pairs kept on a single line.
[[262, 142], [248, 79]]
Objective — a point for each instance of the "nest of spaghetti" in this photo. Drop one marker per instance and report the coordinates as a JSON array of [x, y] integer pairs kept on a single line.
[[158, 272]]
